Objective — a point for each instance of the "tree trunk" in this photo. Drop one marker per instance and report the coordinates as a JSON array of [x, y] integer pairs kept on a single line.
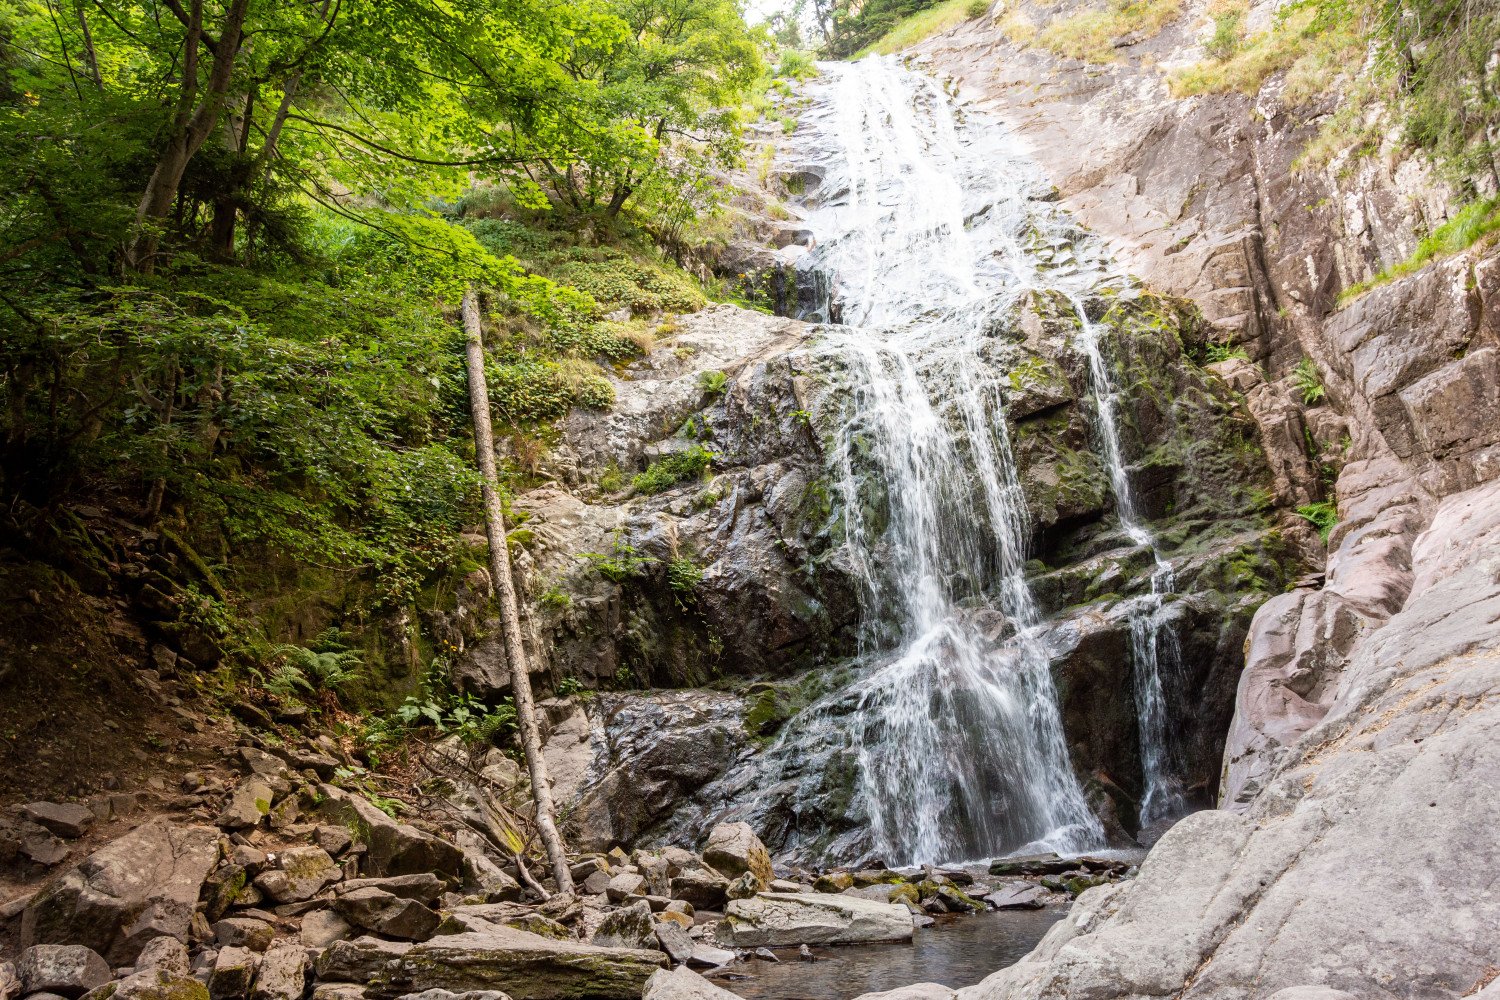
[[505, 597]]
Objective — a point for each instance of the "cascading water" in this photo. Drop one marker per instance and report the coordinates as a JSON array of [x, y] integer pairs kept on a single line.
[[1152, 647], [930, 230]]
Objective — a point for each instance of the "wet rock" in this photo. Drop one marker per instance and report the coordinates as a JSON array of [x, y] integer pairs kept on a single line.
[[67, 969], [526, 966], [388, 914], [1036, 864], [785, 919], [1020, 896], [706, 956], [65, 819], [141, 886], [392, 848], [244, 932], [233, 972], [628, 927], [682, 984], [283, 973], [734, 849]]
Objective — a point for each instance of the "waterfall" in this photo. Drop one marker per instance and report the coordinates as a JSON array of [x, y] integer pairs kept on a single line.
[[1152, 648], [954, 721]]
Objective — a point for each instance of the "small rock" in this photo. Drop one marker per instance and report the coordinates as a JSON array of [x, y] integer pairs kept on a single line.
[[66, 819], [283, 974], [745, 886], [674, 940], [683, 984], [805, 954], [596, 883], [834, 882], [247, 805], [321, 928], [787, 885], [624, 886], [706, 956], [704, 888], [70, 970], [333, 839], [166, 954], [628, 927], [766, 955], [244, 932], [233, 972], [301, 873], [1018, 896]]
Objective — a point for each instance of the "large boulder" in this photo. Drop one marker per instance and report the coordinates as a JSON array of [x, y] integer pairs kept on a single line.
[[525, 966], [392, 848], [628, 927], [784, 919], [135, 888], [385, 913], [283, 974], [733, 849]]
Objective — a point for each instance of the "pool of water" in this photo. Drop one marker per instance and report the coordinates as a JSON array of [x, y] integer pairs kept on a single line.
[[957, 951]]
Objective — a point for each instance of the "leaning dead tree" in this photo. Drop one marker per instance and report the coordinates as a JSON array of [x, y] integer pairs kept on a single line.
[[505, 598]]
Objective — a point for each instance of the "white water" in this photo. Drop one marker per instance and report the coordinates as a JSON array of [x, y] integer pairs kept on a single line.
[[929, 230]]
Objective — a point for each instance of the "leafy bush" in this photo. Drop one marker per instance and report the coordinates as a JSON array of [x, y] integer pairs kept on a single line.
[[977, 8], [619, 565], [712, 382], [1224, 352], [1227, 36], [683, 576], [675, 468]]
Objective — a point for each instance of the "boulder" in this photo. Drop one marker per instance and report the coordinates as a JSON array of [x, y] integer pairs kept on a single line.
[[152, 984], [628, 927], [489, 878], [135, 888], [450, 995], [69, 970], [706, 956], [384, 913], [66, 819], [525, 966], [596, 883], [10, 982], [683, 984], [164, 954], [283, 974], [833, 882], [300, 874], [733, 849], [392, 848], [777, 919], [233, 972]]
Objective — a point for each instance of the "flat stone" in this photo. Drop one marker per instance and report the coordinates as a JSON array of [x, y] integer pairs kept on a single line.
[[526, 966], [1021, 896], [787, 919], [706, 956], [244, 932], [625, 885], [424, 887], [66, 819]]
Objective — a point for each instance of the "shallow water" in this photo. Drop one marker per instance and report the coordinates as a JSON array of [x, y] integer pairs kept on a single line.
[[958, 951]]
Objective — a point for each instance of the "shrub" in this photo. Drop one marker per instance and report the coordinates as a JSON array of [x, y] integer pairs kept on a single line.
[[977, 8], [712, 382], [675, 468], [1323, 516], [1226, 39]]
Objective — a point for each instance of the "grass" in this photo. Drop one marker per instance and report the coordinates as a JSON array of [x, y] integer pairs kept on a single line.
[[1312, 53], [921, 25], [1468, 227], [1090, 35]]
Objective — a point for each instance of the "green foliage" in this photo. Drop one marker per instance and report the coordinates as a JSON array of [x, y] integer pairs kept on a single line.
[[621, 564], [683, 577], [1468, 226], [977, 8], [1224, 352], [667, 472], [712, 382], [1322, 515], [1090, 34], [569, 686], [1228, 35], [796, 64], [1306, 380], [436, 707]]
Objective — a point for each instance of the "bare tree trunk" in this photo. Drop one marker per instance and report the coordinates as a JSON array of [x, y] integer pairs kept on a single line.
[[505, 597]]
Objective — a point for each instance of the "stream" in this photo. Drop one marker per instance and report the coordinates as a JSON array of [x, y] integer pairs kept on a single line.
[[957, 951]]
